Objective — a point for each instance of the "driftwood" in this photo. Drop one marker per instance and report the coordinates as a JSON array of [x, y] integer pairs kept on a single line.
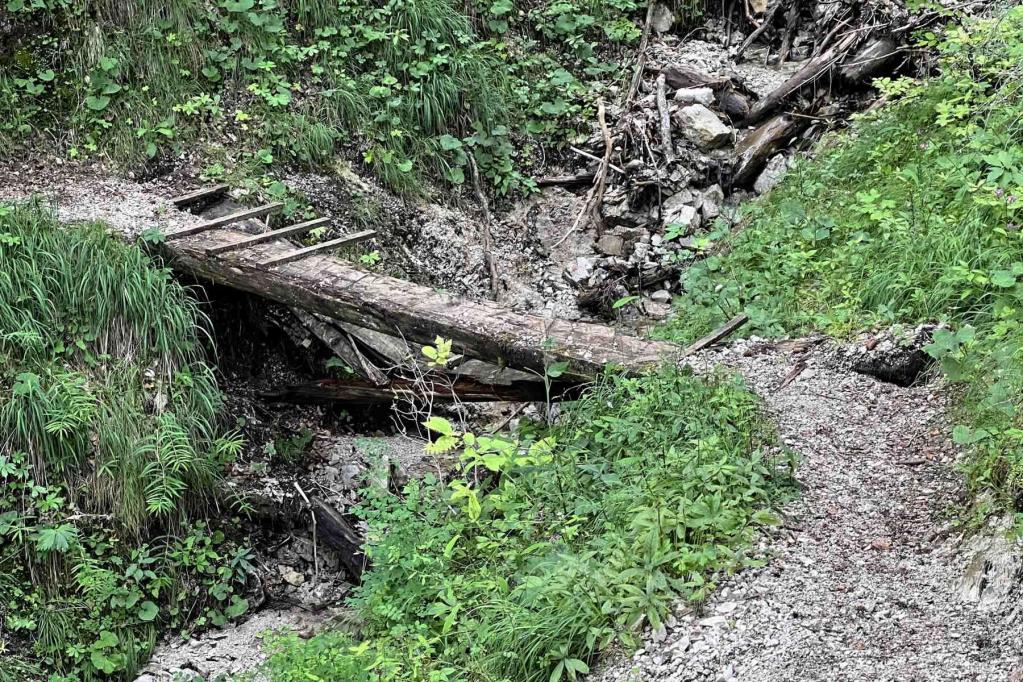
[[488, 245], [637, 76], [331, 526], [480, 329], [874, 57], [341, 344], [665, 118], [752, 154], [338, 534], [818, 68], [460, 389], [681, 76], [576, 180], [764, 25]]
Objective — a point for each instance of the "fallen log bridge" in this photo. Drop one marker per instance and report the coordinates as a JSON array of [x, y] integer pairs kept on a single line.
[[311, 280]]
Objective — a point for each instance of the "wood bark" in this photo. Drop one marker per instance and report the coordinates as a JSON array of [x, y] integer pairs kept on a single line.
[[752, 154], [479, 329], [338, 534]]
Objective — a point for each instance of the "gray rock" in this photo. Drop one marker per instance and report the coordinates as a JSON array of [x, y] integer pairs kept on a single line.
[[663, 18], [657, 311], [771, 175], [995, 570], [351, 475], [704, 96], [611, 245], [683, 215], [581, 269], [703, 127], [711, 200], [640, 252], [661, 296], [680, 209]]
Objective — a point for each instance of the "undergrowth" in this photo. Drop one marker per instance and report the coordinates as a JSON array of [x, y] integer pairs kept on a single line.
[[913, 215], [111, 446], [410, 86], [549, 547]]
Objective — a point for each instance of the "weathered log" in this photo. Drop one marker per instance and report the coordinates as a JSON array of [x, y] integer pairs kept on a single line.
[[875, 57], [332, 528], [733, 103], [575, 180], [460, 389], [753, 152], [818, 68], [683, 76], [341, 536], [480, 329], [341, 345]]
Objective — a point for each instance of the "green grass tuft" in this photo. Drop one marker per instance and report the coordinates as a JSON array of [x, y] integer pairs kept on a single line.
[[112, 444]]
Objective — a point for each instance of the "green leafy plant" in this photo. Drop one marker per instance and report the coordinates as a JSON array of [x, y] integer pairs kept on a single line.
[[548, 546], [912, 216]]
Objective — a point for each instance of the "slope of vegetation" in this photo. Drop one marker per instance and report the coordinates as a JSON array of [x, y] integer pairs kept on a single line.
[[550, 547], [110, 451], [410, 86], [914, 215]]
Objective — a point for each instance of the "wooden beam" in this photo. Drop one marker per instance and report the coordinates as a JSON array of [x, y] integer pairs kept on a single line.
[[317, 248], [198, 195], [228, 219], [294, 230]]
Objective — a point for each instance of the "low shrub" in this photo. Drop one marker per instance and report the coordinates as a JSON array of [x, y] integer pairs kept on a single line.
[[549, 547]]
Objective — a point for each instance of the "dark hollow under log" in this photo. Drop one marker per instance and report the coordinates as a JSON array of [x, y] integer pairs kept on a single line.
[[362, 392]]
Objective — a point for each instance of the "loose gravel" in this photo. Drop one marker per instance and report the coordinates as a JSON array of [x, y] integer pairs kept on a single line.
[[861, 580]]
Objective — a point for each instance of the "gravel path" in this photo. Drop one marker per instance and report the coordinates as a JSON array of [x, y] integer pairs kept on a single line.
[[862, 582]]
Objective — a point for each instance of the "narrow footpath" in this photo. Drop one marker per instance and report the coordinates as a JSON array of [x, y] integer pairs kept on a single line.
[[864, 580]]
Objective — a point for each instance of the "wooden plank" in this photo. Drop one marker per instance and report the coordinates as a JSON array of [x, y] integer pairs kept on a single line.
[[362, 392], [228, 219], [292, 231], [198, 195], [716, 335], [317, 248]]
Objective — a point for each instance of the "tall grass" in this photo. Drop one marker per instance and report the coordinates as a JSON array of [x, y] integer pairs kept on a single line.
[[913, 215], [101, 361], [111, 441]]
